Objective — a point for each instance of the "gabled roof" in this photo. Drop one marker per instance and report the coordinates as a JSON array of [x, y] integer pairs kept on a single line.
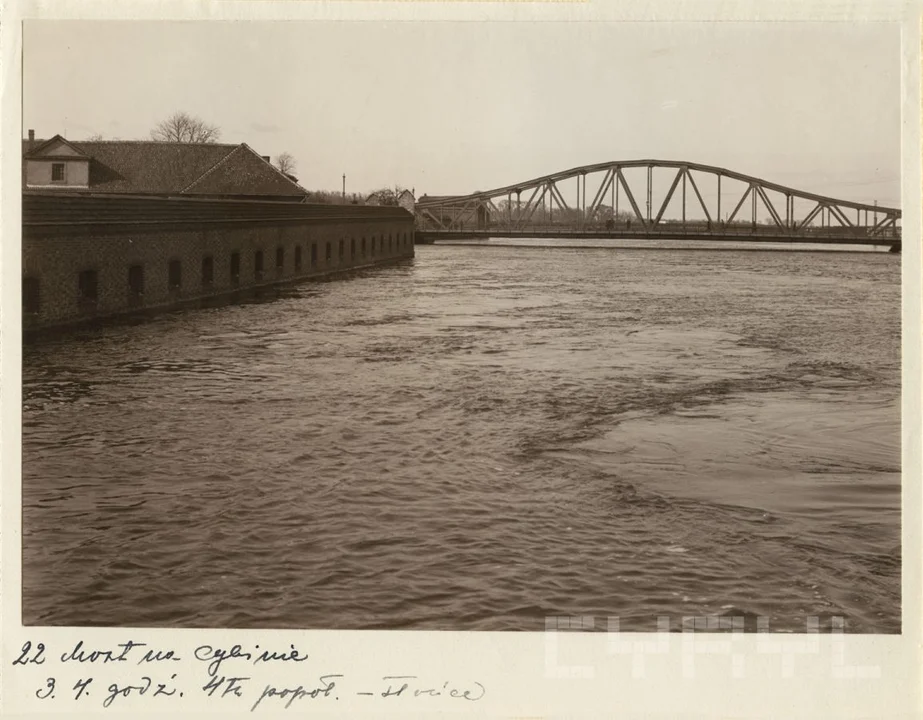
[[56, 148], [152, 167], [244, 170]]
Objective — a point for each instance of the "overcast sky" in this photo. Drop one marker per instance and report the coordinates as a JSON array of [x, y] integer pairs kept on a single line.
[[458, 107]]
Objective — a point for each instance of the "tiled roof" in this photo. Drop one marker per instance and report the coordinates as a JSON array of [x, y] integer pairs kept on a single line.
[[142, 167], [243, 171]]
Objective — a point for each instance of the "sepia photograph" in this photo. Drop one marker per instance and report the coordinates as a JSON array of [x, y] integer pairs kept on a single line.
[[462, 326]]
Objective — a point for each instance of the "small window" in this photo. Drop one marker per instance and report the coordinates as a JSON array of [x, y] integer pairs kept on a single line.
[[313, 254], [389, 243], [235, 268], [373, 246], [280, 258], [57, 172], [136, 281], [329, 254], [352, 248], [31, 295], [208, 270], [341, 250], [362, 246], [87, 284], [175, 275], [298, 257], [258, 264]]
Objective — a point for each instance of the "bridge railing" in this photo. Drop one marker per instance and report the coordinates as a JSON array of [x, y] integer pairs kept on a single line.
[[454, 226]]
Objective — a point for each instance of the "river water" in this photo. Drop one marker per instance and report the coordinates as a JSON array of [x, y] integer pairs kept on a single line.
[[480, 438]]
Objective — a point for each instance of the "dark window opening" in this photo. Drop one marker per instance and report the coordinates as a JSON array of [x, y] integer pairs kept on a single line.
[[31, 295], [280, 258], [235, 268], [57, 172], [258, 264], [389, 243], [136, 281], [208, 270], [313, 254], [352, 248], [87, 283], [175, 274], [329, 254], [298, 257], [373, 245]]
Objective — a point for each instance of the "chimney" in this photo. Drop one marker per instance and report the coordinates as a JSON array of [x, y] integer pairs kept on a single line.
[[266, 158], [31, 140]]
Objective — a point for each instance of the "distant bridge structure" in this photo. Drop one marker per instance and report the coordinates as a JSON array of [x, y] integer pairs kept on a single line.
[[657, 199]]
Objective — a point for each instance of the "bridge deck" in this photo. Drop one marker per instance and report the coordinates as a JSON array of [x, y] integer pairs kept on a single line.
[[425, 237]]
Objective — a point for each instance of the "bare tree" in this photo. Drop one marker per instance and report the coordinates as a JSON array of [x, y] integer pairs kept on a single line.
[[286, 163], [184, 128], [95, 137], [389, 196]]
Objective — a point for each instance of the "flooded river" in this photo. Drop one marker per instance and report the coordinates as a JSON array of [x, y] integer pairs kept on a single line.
[[478, 439]]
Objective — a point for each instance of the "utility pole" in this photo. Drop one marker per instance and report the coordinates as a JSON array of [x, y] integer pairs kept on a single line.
[[344, 186]]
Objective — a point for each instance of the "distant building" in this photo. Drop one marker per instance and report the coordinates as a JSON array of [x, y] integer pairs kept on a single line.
[[405, 199], [154, 168], [448, 211]]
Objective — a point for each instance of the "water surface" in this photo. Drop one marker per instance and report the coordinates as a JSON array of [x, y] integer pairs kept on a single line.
[[478, 439]]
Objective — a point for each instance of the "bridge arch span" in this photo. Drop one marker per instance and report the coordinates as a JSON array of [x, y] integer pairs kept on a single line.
[[689, 201]]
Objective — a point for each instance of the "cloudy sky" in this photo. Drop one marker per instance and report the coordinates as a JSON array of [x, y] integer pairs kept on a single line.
[[455, 107]]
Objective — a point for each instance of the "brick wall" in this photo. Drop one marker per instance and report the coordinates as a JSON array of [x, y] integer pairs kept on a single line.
[[54, 261]]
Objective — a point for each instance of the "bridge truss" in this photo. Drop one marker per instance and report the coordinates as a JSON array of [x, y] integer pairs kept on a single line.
[[656, 197]]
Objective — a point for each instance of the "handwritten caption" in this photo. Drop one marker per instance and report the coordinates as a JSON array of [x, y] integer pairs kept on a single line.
[[233, 675]]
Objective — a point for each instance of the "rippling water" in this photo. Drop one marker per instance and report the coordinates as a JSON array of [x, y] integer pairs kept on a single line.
[[478, 439]]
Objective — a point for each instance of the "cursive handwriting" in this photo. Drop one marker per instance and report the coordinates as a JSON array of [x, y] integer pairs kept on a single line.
[[145, 685], [37, 658], [409, 686], [232, 685], [121, 653], [81, 655], [215, 656], [278, 680], [287, 656], [290, 695]]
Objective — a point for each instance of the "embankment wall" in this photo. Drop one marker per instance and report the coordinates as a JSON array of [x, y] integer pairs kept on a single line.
[[126, 256]]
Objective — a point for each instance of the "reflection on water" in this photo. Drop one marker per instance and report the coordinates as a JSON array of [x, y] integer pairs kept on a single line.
[[478, 439]]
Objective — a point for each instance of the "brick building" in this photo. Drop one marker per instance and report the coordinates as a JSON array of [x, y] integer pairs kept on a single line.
[[154, 168], [116, 227]]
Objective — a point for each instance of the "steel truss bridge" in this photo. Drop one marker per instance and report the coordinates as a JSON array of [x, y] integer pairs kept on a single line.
[[657, 199]]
